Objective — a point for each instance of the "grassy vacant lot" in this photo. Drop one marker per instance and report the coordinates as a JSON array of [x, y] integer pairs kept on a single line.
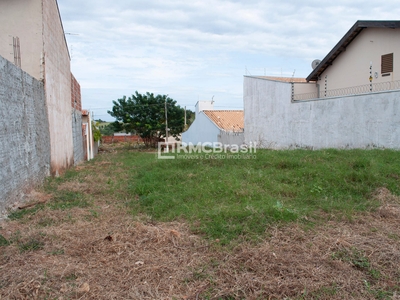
[[287, 225]]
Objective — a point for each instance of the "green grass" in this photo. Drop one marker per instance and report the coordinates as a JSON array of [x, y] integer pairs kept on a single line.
[[227, 198], [67, 199], [20, 214], [357, 259], [230, 198]]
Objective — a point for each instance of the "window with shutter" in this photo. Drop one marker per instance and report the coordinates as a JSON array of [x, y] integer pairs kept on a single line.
[[387, 63]]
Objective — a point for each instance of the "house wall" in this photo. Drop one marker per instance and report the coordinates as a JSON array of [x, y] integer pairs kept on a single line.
[[352, 67], [23, 19], [363, 121], [57, 88], [24, 134], [304, 88], [79, 154], [76, 97], [202, 130], [204, 105], [44, 55], [76, 108]]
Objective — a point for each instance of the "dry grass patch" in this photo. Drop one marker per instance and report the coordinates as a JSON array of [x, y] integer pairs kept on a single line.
[[88, 241], [112, 256]]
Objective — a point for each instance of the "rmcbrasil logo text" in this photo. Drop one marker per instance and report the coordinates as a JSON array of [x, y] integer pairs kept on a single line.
[[205, 150]]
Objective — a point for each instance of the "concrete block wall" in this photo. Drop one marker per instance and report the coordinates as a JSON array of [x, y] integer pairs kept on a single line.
[[110, 139], [76, 104], [76, 98], [24, 134], [79, 154]]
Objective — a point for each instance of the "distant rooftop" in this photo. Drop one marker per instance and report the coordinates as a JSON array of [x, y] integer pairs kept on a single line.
[[283, 79], [229, 120], [345, 41]]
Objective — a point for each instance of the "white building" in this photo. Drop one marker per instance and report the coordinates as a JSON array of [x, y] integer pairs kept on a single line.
[[215, 126]]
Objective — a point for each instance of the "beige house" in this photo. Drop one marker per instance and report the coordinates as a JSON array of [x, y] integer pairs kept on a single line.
[[363, 61], [33, 38], [349, 100]]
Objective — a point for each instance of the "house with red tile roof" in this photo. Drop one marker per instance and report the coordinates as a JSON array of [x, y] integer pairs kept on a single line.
[[215, 126]]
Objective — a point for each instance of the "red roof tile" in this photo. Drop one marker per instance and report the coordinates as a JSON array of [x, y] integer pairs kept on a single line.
[[229, 120]]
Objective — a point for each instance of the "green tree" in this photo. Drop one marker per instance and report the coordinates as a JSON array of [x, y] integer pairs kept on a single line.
[[189, 119], [111, 128], [96, 131], [145, 114]]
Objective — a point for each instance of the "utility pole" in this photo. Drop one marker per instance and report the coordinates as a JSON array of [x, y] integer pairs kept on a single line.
[[166, 125], [185, 118]]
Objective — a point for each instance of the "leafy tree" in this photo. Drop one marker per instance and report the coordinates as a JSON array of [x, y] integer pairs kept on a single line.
[[111, 128], [96, 131], [190, 115], [145, 114]]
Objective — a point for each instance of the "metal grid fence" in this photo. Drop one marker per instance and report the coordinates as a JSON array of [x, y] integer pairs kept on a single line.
[[356, 90]]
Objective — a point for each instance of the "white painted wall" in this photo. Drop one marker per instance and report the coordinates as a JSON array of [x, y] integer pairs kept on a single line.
[[202, 130], [204, 105], [364, 121]]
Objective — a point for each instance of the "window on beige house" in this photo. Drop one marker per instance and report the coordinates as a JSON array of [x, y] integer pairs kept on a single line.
[[387, 63]]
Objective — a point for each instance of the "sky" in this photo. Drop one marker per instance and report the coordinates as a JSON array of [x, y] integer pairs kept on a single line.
[[196, 50]]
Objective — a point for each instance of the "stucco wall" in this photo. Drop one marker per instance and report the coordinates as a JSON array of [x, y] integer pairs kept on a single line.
[[24, 134], [231, 138], [57, 88], [352, 67], [23, 19], [202, 130], [365, 121], [77, 136], [76, 107]]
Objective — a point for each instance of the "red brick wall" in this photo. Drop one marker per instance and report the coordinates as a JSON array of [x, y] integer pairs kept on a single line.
[[109, 139], [76, 100]]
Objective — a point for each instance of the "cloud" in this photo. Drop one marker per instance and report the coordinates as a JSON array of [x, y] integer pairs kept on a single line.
[[193, 50]]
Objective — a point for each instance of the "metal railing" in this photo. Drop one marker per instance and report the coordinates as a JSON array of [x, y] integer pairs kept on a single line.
[[355, 90]]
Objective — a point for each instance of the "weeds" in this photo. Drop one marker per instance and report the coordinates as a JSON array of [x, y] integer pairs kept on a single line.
[[22, 213], [128, 225], [32, 244], [279, 186], [69, 199], [3, 241], [353, 256]]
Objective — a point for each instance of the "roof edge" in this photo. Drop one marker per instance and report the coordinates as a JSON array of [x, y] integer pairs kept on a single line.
[[351, 34]]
